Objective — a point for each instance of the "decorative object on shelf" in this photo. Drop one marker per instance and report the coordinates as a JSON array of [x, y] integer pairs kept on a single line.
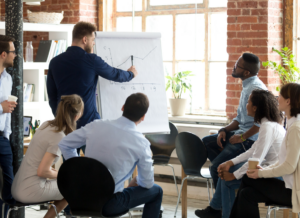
[[179, 83], [33, 128], [49, 49], [45, 17], [288, 72], [29, 52], [33, 2], [29, 92]]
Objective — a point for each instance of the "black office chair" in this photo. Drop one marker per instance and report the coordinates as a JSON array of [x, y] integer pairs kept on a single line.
[[15, 205], [87, 185], [192, 154], [275, 207], [162, 146]]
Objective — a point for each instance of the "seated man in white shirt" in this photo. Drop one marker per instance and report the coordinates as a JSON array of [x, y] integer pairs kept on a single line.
[[121, 147]]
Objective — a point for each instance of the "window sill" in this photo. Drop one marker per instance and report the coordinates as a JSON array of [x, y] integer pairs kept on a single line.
[[197, 119]]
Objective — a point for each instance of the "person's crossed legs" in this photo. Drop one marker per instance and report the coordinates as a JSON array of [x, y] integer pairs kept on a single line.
[[218, 156], [135, 196]]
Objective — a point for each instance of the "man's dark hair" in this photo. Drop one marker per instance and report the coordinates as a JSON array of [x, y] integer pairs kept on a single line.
[[82, 29], [4, 43], [251, 63], [267, 106], [136, 106], [292, 91]]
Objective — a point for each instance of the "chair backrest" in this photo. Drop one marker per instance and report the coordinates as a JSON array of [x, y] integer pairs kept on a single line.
[[163, 144], [191, 153], [86, 184]]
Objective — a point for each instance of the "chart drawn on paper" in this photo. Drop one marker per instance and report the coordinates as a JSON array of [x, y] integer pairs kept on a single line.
[[140, 58]]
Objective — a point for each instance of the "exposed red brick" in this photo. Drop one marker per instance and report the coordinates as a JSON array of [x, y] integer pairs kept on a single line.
[[231, 5], [234, 12], [247, 19], [263, 11], [247, 4], [231, 19], [245, 27], [234, 42], [231, 34], [246, 12], [233, 27]]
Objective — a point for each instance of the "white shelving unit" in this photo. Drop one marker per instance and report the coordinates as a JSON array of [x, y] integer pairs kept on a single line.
[[33, 73]]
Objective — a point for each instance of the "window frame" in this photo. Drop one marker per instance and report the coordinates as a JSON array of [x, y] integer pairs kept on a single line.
[[174, 10]]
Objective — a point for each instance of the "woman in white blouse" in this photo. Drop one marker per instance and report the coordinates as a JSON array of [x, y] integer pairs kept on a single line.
[[287, 192], [263, 106], [35, 180]]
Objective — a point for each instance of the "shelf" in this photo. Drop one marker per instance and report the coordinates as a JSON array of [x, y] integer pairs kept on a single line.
[[35, 65], [35, 105], [39, 27]]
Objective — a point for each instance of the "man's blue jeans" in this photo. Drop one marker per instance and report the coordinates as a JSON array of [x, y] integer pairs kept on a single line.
[[6, 160], [135, 196], [225, 193], [218, 156]]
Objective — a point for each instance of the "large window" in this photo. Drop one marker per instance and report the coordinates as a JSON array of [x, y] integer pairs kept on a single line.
[[296, 32], [194, 37]]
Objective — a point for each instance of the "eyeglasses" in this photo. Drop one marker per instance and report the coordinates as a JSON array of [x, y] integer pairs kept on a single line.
[[236, 66], [14, 52]]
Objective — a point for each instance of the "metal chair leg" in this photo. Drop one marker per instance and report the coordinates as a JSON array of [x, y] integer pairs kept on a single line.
[[298, 215], [174, 178], [179, 196], [274, 213], [268, 212], [211, 186], [3, 208], [207, 184], [57, 214], [129, 214], [8, 212]]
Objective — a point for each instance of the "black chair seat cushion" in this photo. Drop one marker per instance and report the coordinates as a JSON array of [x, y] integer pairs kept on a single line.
[[160, 159]]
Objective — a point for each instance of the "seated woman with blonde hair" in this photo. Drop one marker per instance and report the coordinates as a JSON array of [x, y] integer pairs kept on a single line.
[[35, 180]]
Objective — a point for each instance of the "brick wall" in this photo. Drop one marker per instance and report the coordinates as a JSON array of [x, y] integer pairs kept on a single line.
[[253, 26], [74, 11]]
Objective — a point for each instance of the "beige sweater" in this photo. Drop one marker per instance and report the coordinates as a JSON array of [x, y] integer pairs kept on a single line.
[[291, 164]]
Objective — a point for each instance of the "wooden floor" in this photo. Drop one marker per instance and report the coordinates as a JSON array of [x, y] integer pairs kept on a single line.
[[169, 204]]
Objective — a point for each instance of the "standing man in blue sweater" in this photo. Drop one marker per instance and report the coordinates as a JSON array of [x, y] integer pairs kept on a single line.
[[76, 71]]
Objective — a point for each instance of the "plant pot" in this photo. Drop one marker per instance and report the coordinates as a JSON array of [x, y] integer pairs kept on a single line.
[[178, 106]]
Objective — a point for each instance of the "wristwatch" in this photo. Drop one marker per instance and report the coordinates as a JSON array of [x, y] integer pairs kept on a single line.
[[222, 130], [242, 138]]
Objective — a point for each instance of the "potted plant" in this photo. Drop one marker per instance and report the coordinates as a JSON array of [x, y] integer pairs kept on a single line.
[[179, 83], [288, 72]]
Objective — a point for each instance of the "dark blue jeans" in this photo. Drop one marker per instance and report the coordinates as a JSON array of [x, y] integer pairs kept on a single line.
[[218, 156], [6, 159], [135, 196]]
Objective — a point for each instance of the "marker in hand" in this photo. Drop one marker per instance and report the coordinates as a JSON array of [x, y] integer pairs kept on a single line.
[[131, 60]]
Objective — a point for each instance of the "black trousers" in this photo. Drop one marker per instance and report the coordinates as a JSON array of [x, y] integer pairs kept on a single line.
[[254, 191], [6, 159]]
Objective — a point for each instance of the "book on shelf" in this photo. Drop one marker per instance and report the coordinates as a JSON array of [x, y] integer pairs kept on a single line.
[[49, 49], [24, 89], [29, 93], [46, 98]]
